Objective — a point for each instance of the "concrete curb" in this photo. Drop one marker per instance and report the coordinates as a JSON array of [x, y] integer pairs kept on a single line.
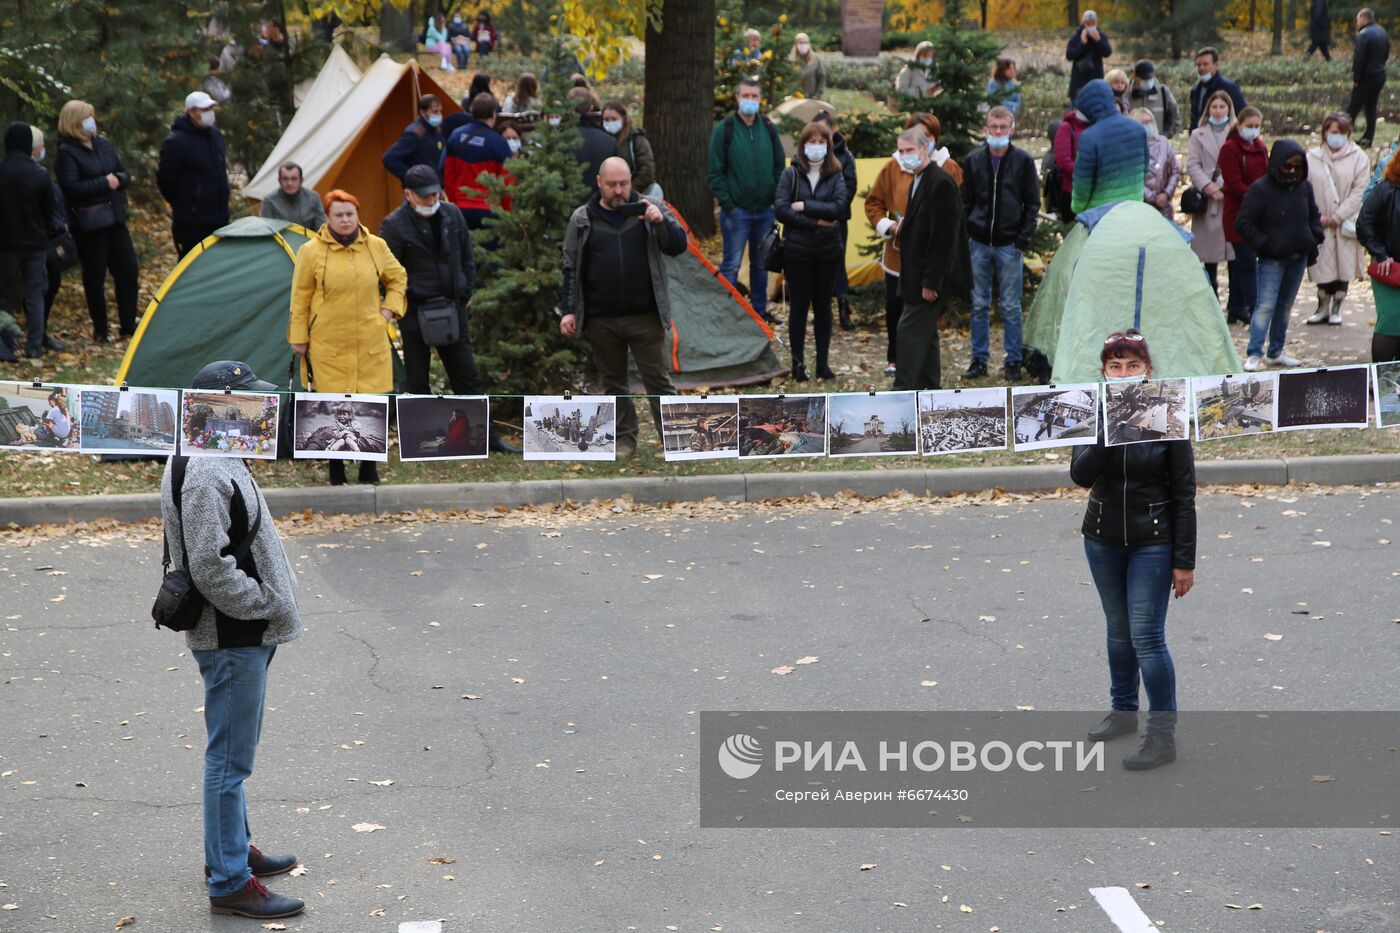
[[734, 487]]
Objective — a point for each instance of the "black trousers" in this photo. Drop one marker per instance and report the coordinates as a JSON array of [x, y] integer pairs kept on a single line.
[[894, 307], [23, 280], [187, 235], [810, 285], [1365, 94], [919, 364], [843, 284], [457, 358], [1319, 46], [101, 252]]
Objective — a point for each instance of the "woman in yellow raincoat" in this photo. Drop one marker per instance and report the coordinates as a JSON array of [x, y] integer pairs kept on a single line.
[[346, 287]]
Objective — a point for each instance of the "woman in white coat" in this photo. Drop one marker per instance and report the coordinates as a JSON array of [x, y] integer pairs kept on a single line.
[[1338, 172], [1203, 167]]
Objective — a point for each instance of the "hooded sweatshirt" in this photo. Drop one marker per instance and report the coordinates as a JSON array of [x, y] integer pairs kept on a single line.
[[1280, 220], [1112, 160], [26, 196]]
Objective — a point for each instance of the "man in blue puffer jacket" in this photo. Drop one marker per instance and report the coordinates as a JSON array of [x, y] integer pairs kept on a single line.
[[1112, 160]]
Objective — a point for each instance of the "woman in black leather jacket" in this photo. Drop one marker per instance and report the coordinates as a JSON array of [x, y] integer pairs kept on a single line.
[[810, 203], [1140, 540]]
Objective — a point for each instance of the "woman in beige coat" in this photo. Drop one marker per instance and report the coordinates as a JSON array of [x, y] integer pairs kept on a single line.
[[1202, 165], [1338, 172]]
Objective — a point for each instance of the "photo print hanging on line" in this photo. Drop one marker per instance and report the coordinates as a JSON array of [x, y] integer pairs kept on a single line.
[[872, 424], [229, 424], [1055, 416], [339, 426], [955, 421], [782, 426], [1142, 412], [697, 428], [1235, 405], [39, 417], [1331, 397], [141, 422], [443, 427], [580, 427]]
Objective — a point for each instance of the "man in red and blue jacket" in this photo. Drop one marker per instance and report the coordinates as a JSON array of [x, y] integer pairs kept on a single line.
[[474, 150]]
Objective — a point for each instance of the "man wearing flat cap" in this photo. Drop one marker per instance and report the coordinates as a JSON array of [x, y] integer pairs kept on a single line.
[[219, 530]]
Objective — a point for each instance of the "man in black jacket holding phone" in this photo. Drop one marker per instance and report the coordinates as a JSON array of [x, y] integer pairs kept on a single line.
[[932, 239], [615, 293]]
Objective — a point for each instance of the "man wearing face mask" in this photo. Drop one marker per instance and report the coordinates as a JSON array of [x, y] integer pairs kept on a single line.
[[1208, 81], [1001, 195], [421, 142], [935, 267], [1149, 93], [1087, 48], [193, 173], [746, 157]]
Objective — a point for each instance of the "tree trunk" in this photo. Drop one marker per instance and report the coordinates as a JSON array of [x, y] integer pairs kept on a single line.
[[1292, 14], [1277, 47], [984, 14], [1072, 13], [396, 28], [1253, 11], [679, 76]]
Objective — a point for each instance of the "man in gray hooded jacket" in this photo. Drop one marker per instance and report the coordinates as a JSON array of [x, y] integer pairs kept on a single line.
[[251, 608]]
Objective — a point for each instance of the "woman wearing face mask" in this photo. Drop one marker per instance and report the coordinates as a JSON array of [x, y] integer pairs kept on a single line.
[[435, 41], [1159, 187], [916, 79], [94, 183], [346, 287], [1203, 168], [812, 80], [459, 37], [810, 203], [1244, 159], [633, 146], [1378, 229], [1280, 221], [1140, 540], [1003, 88], [1338, 171], [487, 38]]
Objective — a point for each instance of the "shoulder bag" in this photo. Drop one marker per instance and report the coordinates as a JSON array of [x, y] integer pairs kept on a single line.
[[179, 604], [772, 245]]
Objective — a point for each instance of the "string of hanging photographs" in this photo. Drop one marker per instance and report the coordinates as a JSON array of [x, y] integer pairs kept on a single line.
[[322, 426]]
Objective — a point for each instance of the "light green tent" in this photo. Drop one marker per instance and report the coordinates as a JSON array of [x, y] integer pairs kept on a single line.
[[1125, 265], [228, 299]]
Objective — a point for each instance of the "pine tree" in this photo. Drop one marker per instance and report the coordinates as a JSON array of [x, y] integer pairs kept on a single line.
[[962, 58], [519, 254], [1172, 27]]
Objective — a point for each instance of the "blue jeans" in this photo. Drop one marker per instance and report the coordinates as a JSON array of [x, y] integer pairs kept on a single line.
[[1244, 288], [1134, 585], [1003, 262], [235, 681], [742, 228], [462, 55], [1279, 280]]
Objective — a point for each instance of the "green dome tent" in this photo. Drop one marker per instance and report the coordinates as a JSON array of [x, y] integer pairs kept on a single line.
[[1125, 265], [228, 299]]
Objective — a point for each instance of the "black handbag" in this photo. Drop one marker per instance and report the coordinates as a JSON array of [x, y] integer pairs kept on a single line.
[[94, 217], [63, 252], [772, 245], [439, 322], [1193, 202], [179, 604]]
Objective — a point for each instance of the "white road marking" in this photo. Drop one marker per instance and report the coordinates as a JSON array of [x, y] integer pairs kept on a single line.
[[421, 926], [1123, 910]]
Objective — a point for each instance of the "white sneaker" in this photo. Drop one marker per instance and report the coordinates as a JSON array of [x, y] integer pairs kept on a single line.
[[889, 370], [1283, 360], [1251, 365]]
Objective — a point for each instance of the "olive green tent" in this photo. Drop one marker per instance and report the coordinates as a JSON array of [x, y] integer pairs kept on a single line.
[[228, 299], [1125, 265]]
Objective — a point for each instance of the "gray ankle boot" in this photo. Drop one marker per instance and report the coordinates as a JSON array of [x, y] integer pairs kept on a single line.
[[1335, 317], [1324, 303]]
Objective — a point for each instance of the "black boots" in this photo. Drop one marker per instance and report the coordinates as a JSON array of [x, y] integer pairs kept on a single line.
[[256, 901], [844, 307], [976, 370], [369, 472], [337, 471], [1157, 748], [1116, 723], [799, 370]]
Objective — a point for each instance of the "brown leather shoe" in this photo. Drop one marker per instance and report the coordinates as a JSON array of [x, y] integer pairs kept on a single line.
[[256, 901]]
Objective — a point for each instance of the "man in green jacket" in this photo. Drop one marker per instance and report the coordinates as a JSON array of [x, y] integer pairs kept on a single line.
[[746, 158]]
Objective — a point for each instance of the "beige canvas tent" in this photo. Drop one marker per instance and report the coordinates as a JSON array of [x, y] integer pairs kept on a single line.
[[339, 134]]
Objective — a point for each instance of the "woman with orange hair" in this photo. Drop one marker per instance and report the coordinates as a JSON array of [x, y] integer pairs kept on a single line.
[[346, 288], [1378, 229]]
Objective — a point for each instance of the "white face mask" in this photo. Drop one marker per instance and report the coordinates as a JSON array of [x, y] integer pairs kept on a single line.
[[803, 48], [814, 154], [89, 126], [40, 156], [910, 162], [427, 211], [554, 121], [1249, 133], [206, 118], [1138, 378], [612, 127], [514, 144]]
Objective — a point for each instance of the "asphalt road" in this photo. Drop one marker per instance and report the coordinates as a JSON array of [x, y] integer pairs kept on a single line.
[[567, 793]]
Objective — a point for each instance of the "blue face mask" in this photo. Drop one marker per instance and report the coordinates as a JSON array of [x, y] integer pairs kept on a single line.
[[1336, 140], [1219, 121], [1140, 378], [1249, 133], [435, 120], [910, 162], [998, 142], [748, 108]]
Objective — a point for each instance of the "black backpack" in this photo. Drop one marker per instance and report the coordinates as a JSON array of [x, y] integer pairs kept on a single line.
[[729, 122]]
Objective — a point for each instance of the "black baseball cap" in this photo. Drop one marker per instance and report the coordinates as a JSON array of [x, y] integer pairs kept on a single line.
[[229, 374], [422, 180], [1144, 69]]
